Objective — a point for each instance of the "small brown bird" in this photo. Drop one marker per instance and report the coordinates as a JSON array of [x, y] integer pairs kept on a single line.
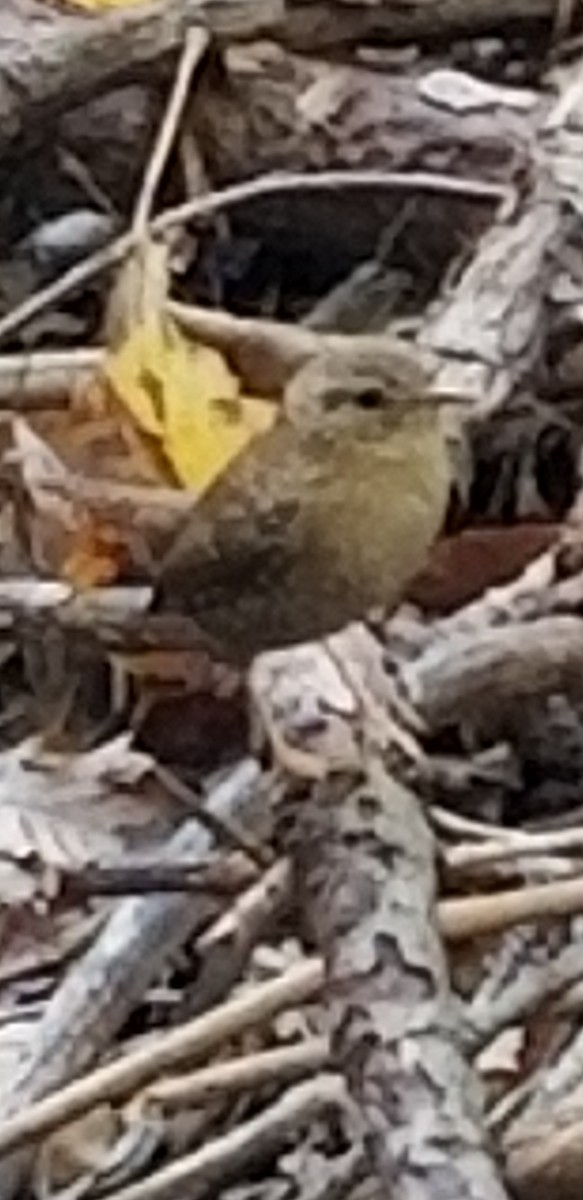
[[329, 514]]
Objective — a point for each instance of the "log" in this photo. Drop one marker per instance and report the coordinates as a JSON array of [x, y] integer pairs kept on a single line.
[[47, 66], [269, 110], [330, 24], [367, 885]]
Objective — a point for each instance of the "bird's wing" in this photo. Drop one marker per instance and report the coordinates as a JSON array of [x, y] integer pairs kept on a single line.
[[243, 530]]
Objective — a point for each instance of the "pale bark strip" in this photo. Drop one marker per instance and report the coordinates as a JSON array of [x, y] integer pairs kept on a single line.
[[367, 882]]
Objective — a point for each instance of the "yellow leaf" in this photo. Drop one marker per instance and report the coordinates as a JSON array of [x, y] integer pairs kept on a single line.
[[185, 396]]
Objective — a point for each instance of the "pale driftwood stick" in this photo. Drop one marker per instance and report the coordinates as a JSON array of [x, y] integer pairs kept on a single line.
[[175, 1047], [516, 845], [31, 596], [197, 41], [204, 207], [45, 379], [473, 916], [225, 1158], [487, 678], [404, 182], [365, 864], [101, 989], [251, 1071]]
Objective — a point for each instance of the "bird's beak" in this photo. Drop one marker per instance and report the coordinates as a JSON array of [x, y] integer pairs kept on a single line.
[[441, 398]]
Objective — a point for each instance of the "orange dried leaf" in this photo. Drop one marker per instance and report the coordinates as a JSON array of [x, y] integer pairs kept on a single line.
[[97, 556]]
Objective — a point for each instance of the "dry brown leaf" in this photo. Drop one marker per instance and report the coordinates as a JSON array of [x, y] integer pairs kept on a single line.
[[69, 810]]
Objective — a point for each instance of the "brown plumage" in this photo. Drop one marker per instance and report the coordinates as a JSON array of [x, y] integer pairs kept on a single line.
[[329, 514]]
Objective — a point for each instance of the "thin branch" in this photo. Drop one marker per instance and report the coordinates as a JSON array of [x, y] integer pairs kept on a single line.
[[473, 916], [240, 1074], [224, 1158], [515, 846], [197, 41], [204, 207], [177, 1046]]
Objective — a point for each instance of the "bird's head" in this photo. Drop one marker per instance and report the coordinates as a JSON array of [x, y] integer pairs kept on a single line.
[[358, 393]]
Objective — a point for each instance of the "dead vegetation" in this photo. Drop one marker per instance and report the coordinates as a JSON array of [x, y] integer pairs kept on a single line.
[[324, 943]]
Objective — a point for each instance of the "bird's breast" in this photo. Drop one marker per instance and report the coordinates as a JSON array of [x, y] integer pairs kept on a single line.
[[375, 517]]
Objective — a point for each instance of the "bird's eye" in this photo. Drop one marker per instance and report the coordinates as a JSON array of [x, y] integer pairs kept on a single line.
[[369, 398]]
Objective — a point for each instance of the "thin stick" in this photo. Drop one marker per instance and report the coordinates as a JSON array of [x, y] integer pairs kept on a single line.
[[183, 1044], [453, 823], [477, 915], [196, 43], [225, 1157], [278, 1066], [122, 879], [517, 845], [45, 379], [195, 803], [329, 181], [73, 279], [206, 206]]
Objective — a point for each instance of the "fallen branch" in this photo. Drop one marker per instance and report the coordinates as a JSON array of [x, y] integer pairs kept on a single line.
[[173, 1048], [254, 1140], [364, 858], [251, 1071], [46, 379]]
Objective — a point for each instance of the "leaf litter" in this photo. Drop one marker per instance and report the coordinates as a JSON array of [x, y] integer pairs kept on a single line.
[[117, 725]]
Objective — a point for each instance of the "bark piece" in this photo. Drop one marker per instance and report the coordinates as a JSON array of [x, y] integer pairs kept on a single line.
[[490, 333], [268, 110], [49, 63], [309, 25], [487, 678], [367, 883]]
